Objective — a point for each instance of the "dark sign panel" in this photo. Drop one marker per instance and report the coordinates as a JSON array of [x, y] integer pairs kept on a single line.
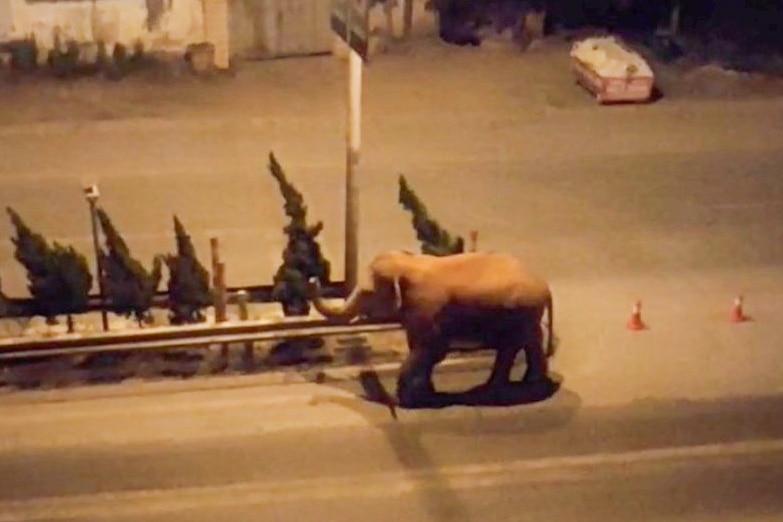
[[349, 20]]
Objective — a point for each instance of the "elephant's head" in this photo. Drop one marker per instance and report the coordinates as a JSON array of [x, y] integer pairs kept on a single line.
[[380, 296]]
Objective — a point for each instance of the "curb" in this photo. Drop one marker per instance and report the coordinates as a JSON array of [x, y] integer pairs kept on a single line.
[[154, 123], [142, 388]]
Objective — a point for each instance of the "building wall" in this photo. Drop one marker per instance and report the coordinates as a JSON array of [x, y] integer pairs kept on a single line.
[[423, 24], [160, 24], [275, 28], [424, 21], [255, 28], [250, 28], [216, 30], [6, 24]]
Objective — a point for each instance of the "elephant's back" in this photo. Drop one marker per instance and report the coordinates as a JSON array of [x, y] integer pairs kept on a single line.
[[492, 279]]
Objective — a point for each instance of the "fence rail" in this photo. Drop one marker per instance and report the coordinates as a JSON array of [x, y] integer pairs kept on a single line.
[[185, 336], [25, 306]]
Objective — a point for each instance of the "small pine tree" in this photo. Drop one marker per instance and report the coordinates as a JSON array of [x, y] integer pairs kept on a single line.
[[58, 277], [434, 240], [129, 287], [75, 281], [33, 253], [189, 291], [302, 257], [5, 304]]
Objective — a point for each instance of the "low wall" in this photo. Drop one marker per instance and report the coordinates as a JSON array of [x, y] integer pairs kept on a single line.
[[157, 24]]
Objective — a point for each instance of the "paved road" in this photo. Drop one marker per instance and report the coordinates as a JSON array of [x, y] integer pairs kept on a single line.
[[581, 190], [659, 486], [581, 193], [677, 203], [347, 460]]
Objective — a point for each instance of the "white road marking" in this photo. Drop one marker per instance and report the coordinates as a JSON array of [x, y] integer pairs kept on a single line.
[[145, 502], [746, 205]]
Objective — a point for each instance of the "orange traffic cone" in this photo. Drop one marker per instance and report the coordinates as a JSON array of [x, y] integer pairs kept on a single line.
[[635, 322], [737, 313]]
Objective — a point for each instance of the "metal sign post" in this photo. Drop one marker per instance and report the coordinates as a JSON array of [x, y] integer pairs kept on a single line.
[[92, 194], [353, 142], [350, 20]]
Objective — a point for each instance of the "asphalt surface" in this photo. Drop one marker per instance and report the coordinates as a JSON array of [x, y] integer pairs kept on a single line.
[[579, 190], [714, 460], [671, 189], [678, 203]]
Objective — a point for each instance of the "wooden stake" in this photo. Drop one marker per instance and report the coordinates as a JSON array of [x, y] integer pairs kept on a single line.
[[218, 280], [473, 240]]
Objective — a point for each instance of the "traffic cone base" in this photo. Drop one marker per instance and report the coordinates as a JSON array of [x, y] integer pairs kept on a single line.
[[737, 313], [635, 321]]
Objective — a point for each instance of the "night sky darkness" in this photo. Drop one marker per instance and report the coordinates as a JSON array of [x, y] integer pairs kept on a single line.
[[754, 25]]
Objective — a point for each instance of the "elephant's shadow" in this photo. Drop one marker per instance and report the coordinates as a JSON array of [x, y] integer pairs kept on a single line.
[[511, 394]]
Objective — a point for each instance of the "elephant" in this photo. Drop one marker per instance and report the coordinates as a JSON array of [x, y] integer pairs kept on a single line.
[[488, 298]]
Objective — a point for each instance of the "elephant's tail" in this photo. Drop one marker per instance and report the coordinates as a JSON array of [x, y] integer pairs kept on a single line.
[[550, 337]]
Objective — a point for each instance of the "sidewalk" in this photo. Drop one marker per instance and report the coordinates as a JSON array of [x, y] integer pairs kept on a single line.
[[691, 354], [199, 410], [412, 77], [275, 379], [690, 349]]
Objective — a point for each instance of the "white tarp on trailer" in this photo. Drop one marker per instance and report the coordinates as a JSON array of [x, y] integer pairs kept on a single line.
[[607, 57]]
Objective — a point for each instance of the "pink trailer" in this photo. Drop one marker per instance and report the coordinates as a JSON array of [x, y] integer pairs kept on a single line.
[[632, 87]]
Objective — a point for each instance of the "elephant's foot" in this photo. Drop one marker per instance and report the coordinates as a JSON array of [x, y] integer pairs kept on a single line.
[[486, 393], [412, 392], [534, 377], [490, 387], [419, 393]]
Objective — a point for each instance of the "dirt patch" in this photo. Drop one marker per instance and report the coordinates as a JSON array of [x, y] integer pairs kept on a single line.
[[716, 81]]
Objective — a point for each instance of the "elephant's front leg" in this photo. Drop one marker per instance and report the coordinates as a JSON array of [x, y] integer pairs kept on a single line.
[[414, 384]]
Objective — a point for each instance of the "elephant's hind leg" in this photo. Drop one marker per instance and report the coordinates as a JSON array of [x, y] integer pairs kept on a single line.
[[501, 370], [536, 361]]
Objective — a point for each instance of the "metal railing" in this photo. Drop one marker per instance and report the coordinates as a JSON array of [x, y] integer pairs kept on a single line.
[[25, 306], [192, 336]]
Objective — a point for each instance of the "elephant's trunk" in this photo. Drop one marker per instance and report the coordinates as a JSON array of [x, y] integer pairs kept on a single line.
[[347, 311]]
